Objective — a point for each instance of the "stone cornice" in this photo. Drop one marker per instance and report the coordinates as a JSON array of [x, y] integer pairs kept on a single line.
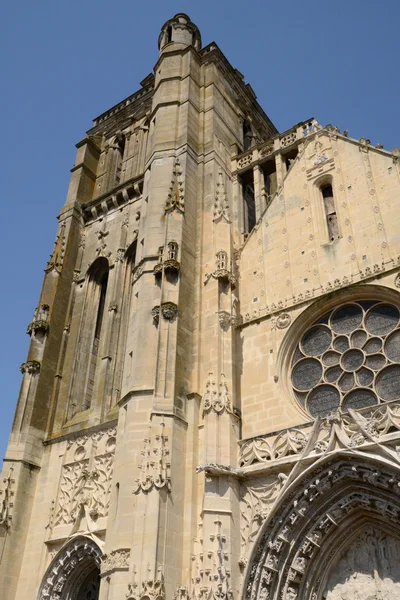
[[72, 435], [148, 83], [119, 196], [368, 275]]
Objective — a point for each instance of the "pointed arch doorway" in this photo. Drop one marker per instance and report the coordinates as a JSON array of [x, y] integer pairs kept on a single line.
[[74, 573]]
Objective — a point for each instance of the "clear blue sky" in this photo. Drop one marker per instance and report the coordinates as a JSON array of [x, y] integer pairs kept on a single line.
[[65, 62]]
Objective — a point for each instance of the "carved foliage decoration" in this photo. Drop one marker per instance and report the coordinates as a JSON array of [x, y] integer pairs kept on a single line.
[[210, 569], [57, 256], [314, 508], [221, 204], [355, 429], [256, 499], [265, 448], [86, 477], [115, 560], [31, 367], [155, 467], [216, 398], [176, 195], [152, 589], [6, 498]]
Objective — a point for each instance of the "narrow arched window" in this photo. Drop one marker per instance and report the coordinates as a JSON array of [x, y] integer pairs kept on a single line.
[[330, 211], [98, 277], [102, 299]]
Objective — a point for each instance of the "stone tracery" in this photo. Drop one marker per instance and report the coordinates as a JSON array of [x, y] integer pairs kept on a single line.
[[318, 514], [349, 358]]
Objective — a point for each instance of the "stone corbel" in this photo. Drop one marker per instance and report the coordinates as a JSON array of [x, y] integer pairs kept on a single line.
[[218, 470], [169, 311], [32, 367]]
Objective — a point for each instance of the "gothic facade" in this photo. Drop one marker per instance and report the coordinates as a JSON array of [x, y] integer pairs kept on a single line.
[[210, 405]]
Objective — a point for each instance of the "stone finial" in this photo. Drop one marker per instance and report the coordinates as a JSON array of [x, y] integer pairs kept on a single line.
[[221, 204]]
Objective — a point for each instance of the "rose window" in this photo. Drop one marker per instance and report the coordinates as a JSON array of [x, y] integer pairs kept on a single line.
[[350, 358]]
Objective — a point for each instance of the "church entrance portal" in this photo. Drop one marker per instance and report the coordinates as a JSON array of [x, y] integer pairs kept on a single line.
[[74, 574]]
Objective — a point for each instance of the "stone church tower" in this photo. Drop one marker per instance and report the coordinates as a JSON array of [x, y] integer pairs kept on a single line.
[[210, 405]]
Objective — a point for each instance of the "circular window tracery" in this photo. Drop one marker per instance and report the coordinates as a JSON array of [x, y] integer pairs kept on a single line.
[[349, 358]]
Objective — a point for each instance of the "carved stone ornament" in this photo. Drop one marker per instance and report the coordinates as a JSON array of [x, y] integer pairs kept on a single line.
[[57, 256], [69, 568], [153, 588], [40, 320], [170, 262], [320, 157], [222, 271], [336, 432], [338, 500], [283, 321], [85, 484], [216, 398], [221, 204], [169, 311], [119, 257], [181, 593], [137, 272], [32, 367], [6, 502], [116, 560], [155, 313], [211, 574], [256, 500], [155, 468], [225, 319], [397, 281], [176, 196]]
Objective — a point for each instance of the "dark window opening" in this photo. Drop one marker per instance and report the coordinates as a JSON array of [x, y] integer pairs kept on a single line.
[[330, 212], [249, 204], [270, 181], [99, 276], [100, 310], [168, 34]]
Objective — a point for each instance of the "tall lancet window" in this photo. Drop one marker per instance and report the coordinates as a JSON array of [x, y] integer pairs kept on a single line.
[[98, 280]]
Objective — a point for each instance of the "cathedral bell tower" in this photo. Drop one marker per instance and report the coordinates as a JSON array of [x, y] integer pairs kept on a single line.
[[133, 327]]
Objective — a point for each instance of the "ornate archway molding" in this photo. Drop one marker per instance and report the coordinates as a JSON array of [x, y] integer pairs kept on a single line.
[[316, 516], [69, 568]]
